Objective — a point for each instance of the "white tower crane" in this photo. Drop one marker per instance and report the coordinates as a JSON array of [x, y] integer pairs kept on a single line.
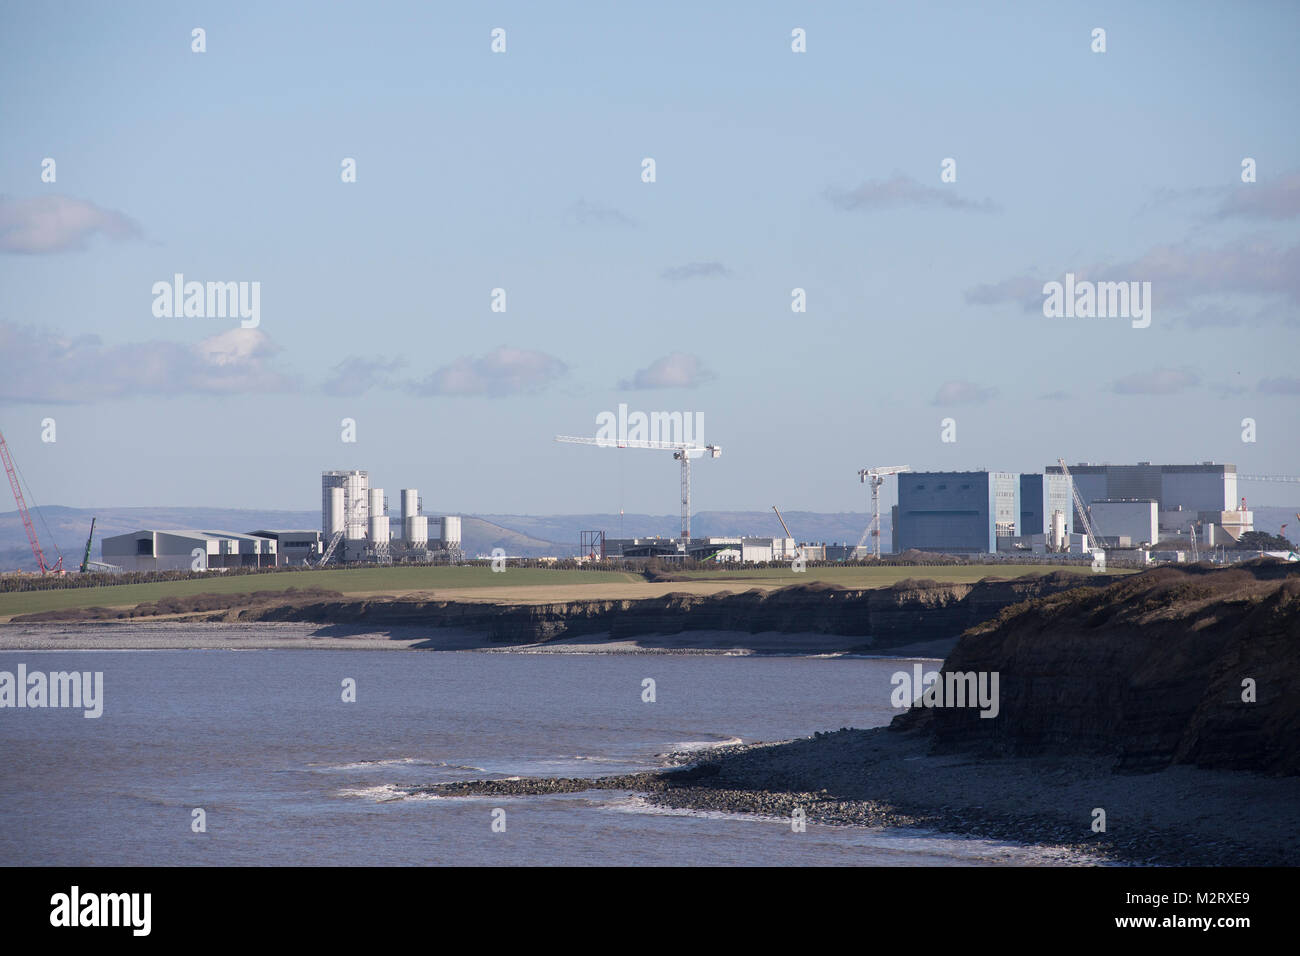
[[682, 451], [877, 478]]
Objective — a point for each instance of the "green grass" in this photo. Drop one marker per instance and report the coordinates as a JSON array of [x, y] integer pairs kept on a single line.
[[347, 580]]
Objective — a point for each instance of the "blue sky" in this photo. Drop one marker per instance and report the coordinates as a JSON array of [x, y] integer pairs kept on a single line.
[[522, 171]]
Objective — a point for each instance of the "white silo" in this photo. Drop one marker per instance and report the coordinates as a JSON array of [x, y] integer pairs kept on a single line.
[[334, 511], [449, 535], [356, 485], [1058, 531], [410, 503], [416, 531], [355, 504], [377, 524]]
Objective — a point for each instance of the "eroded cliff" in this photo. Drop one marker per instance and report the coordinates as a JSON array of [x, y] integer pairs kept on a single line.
[[1156, 669]]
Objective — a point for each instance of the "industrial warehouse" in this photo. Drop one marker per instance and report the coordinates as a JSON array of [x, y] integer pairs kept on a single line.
[[1129, 507], [355, 529]]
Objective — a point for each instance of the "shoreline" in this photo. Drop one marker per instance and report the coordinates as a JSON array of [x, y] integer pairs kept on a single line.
[[266, 635], [885, 778]]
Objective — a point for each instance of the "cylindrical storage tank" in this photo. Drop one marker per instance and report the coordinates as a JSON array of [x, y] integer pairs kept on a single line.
[[356, 485], [450, 536], [1058, 530], [378, 529], [416, 531], [376, 502], [334, 512], [410, 504]]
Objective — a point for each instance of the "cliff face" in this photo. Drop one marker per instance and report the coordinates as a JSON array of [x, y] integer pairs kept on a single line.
[[1149, 669], [909, 612]]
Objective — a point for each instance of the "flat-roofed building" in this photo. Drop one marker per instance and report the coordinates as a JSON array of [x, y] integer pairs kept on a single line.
[[176, 549], [293, 546], [1114, 519], [956, 512], [1181, 492], [1041, 496]]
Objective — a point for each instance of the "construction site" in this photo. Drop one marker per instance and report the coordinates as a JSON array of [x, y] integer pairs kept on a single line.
[[1139, 513], [1133, 514]]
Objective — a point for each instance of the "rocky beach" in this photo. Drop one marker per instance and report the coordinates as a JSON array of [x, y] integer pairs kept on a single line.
[[1181, 816], [1167, 701]]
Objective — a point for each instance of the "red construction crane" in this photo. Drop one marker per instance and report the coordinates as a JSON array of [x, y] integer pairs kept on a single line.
[[23, 513]]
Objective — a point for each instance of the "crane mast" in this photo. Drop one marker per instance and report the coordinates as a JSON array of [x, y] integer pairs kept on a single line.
[[85, 561], [1079, 508], [23, 512], [877, 478], [682, 451], [782, 520]]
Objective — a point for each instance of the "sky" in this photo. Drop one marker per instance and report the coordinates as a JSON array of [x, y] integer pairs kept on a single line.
[[522, 171]]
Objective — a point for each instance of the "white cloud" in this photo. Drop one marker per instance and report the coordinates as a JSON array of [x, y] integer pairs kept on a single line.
[[44, 366], [599, 213], [503, 371], [963, 393], [48, 224], [899, 192], [677, 370], [1267, 199], [1250, 281]]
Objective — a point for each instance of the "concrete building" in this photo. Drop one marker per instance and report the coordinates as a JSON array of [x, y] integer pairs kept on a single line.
[[746, 550], [293, 546], [956, 512], [1041, 497], [842, 552], [186, 550], [643, 547], [1117, 519], [1182, 492]]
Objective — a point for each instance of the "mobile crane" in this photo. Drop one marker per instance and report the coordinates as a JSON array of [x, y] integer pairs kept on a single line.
[[26, 517]]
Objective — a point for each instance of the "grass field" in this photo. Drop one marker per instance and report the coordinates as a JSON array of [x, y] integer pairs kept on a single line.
[[346, 580], [529, 584]]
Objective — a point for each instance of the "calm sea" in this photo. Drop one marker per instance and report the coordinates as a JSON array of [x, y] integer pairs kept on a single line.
[[286, 772]]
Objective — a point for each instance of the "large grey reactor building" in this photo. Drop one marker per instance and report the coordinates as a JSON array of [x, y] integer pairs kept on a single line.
[[983, 512]]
